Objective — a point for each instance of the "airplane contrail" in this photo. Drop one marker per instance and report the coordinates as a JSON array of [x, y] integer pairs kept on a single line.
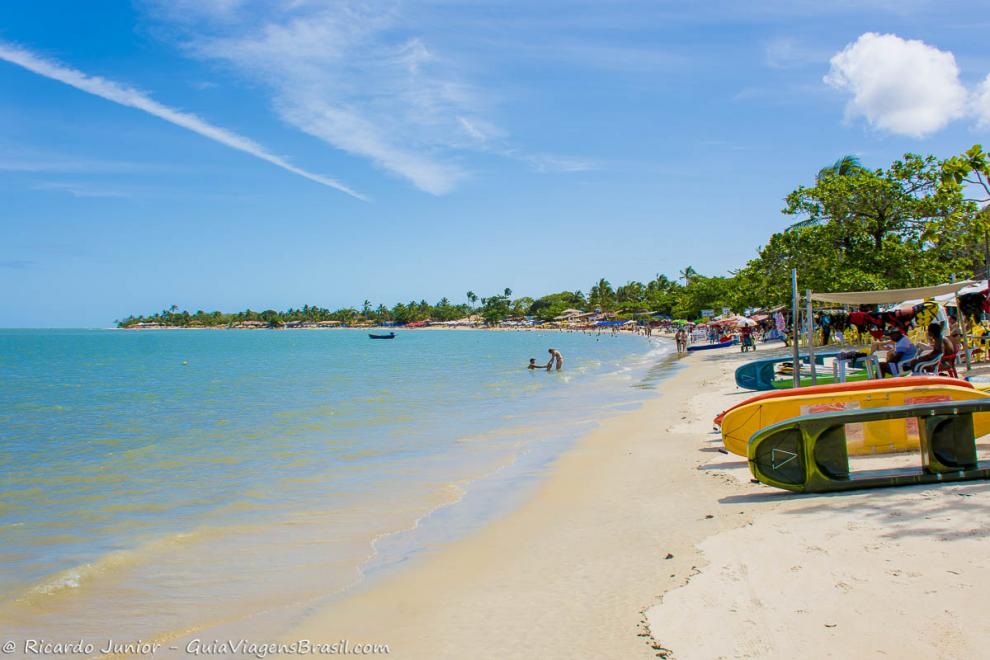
[[132, 98]]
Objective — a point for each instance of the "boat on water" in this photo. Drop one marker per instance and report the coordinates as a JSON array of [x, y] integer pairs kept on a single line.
[[390, 335]]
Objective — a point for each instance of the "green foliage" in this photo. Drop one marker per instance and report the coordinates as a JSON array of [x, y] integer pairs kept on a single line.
[[553, 305], [602, 296], [496, 308]]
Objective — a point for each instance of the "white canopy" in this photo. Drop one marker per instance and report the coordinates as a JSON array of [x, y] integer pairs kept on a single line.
[[890, 296]]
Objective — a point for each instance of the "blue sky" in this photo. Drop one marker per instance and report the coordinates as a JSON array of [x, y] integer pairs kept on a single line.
[[245, 154]]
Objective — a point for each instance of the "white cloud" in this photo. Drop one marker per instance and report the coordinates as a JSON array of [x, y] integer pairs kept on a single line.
[[981, 103], [900, 86], [130, 97], [350, 75], [78, 189]]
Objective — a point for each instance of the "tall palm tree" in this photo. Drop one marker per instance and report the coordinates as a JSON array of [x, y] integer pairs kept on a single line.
[[688, 274], [846, 165]]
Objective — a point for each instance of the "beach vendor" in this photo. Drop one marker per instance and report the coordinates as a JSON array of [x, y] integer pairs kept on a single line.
[[904, 350], [555, 358], [746, 338]]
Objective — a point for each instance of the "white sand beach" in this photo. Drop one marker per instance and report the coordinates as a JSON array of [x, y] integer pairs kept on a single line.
[[645, 541]]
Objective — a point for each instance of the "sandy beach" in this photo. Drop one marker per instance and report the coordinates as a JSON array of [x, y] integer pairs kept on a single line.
[[645, 541]]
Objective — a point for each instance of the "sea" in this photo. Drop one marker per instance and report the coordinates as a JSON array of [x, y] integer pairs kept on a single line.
[[158, 484]]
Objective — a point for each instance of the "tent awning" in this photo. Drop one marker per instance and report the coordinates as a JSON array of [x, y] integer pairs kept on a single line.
[[890, 296]]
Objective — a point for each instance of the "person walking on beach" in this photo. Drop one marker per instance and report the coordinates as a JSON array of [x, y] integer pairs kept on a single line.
[[555, 358]]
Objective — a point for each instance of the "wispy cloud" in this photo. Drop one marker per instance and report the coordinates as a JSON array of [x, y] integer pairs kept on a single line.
[[788, 52], [130, 97], [80, 189], [16, 264], [350, 75], [30, 164], [367, 78], [546, 163]]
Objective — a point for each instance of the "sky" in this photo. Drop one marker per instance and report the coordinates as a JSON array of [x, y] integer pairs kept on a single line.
[[237, 154]]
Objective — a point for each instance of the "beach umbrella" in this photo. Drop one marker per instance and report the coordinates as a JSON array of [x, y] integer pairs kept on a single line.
[[742, 321]]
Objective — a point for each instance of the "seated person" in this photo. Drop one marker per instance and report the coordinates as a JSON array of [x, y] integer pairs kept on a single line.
[[939, 346], [533, 365], [955, 339], [904, 350]]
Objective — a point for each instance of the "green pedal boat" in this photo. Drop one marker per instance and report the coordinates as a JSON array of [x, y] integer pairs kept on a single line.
[[809, 454]]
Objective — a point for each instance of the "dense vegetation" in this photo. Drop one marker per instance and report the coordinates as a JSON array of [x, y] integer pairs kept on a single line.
[[915, 223]]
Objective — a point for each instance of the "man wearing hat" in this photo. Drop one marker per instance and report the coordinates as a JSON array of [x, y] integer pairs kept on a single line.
[[904, 350]]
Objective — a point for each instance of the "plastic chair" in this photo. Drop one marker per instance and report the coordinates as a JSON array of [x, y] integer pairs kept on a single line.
[[929, 367], [947, 364], [872, 364]]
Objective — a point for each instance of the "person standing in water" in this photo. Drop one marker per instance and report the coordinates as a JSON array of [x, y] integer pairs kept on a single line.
[[555, 358]]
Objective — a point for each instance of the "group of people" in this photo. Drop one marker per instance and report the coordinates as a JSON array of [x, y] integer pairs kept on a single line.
[[903, 356], [556, 359]]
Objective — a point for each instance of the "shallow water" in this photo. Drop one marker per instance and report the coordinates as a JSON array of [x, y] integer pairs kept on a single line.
[[158, 483]]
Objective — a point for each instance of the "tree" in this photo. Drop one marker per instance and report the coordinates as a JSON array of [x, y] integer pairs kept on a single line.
[[970, 173], [687, 274], [521, 306], [472, 298], [601, 295], [550, 306], [495, 308], [898, 224], [703, 293], [845, 165]]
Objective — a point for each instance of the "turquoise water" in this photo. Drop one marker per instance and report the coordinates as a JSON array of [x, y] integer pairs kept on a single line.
[[143, 472]]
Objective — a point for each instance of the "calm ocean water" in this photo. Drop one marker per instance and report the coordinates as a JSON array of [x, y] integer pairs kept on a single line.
[[160, 483]]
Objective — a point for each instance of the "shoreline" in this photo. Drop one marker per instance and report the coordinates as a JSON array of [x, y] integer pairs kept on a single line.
[[644, 541], [433, 328], [593, 528]]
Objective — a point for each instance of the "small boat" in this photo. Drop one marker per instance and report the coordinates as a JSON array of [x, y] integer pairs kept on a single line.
[[390, 335], [705, 347]]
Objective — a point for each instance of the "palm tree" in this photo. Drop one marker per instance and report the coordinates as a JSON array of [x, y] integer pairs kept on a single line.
[[688, 274], [508, 292], [842, 167], [472, 297], [845, 166]]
